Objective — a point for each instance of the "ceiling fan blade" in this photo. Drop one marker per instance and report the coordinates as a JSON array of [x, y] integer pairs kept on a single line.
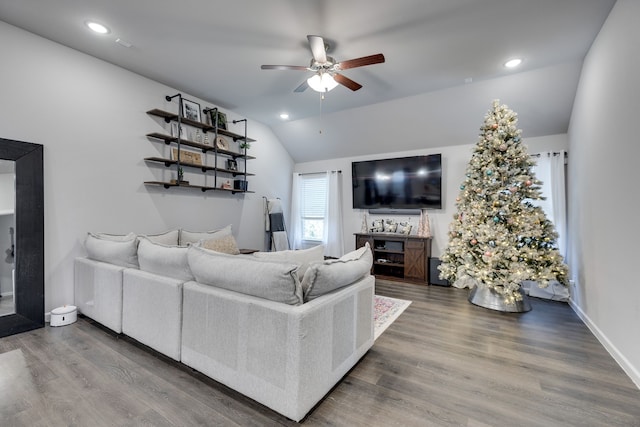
[[360, 62], [303, 86], [316, 43], [347, 82], [284, 67]]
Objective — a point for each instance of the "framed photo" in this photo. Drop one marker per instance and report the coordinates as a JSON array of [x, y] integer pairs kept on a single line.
[[190, 110], [232, 165], [190, 157], [222, 120], [183, 131]]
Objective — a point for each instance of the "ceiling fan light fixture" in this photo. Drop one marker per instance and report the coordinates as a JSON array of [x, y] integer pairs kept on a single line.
[[322, 82]]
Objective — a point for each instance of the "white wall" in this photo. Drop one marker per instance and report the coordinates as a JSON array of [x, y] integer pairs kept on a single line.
[[454, 165], [91, 118], [603, 179]]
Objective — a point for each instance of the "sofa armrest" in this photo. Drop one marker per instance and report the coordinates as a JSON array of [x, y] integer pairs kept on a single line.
[[98, 291], [286, 357]]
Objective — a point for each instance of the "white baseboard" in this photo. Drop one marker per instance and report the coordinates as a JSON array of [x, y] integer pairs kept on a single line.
[[626, 366], [6, 294]]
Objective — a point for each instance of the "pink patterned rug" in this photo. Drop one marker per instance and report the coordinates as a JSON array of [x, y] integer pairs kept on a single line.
[[386, 310]]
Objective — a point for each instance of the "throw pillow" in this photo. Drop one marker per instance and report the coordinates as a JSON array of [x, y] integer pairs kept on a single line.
[[170, 261], [330, 275], [187, 237], [302, 257], [114, 249], [275, 281], [226, 244], [169, 238]]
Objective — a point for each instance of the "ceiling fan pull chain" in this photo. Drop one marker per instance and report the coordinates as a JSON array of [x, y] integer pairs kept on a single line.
[[321, 100]]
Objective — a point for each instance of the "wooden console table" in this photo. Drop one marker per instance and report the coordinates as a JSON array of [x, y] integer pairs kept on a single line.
[[398, 256]]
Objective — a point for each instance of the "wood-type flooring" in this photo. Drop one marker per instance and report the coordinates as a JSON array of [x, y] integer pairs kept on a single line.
[[444, 362]]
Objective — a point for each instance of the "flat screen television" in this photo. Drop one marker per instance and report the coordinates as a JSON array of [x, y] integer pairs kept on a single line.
[[401, 183]]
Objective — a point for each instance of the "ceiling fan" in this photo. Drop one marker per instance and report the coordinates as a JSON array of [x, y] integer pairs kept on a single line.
[[326, 69]]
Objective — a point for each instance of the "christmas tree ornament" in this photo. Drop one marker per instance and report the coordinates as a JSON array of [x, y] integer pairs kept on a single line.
[[498, 207]]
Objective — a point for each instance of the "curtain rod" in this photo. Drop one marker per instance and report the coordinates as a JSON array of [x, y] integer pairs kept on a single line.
[[555, 153], [317, 173]]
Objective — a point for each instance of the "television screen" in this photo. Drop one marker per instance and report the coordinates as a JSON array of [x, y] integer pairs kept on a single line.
[[402, 183]]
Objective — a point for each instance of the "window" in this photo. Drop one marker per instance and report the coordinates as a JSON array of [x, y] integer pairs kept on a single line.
[[313, 195]]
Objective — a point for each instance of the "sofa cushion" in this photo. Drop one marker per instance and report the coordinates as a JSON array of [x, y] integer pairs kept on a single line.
[[113, 249], [167, 238], [187, 237], [327, 276], [275, 281], [164, 260], [226, 244], [302, 257]]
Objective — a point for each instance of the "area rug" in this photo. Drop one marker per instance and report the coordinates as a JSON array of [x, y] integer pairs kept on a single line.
[[386, 310]]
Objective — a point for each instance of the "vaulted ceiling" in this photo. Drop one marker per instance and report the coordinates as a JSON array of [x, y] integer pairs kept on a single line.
[[444, 61]]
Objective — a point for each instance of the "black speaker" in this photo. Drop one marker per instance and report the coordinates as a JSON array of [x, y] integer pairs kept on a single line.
[[434, 273]]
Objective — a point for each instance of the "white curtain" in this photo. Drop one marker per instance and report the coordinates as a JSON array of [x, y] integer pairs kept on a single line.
[[296, 221], [550, 170], [333, 236]]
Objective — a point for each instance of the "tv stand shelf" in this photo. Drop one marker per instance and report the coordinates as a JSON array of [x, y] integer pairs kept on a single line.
[[398, 256]]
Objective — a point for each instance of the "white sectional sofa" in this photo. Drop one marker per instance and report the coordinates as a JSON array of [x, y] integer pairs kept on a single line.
[[248, 321]]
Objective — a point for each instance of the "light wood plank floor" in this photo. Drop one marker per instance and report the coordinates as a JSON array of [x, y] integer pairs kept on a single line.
[[444, 362]]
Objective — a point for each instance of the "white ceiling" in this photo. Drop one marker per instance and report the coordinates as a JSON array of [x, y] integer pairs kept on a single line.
[[417, 99]]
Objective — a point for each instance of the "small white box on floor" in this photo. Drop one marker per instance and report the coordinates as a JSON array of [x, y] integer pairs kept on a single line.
[[63, 316]]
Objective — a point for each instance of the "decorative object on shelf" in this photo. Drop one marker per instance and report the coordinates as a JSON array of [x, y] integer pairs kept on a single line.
[[180, 179], [240, 184], [364, 228], [390, 226], [222, 143], [498, 238], [377, 226], [206, 141], [190, 157], [190, 110], [232, 165], [404, 228], [244, 145], [424, 229], [174, 131], [226, 185], [198, 137], [222, 120]]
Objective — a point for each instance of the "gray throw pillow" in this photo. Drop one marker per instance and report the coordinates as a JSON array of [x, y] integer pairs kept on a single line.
[[114, 249], [163, 260], [327, 276], [275, 281]]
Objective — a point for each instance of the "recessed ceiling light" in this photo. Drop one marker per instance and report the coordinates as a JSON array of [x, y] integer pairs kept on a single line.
[[97, 27], [513, 63], [284, 116]]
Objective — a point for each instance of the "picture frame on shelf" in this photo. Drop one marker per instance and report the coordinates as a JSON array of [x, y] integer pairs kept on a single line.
[[232, 165], [190, 110], [190, 157], [183, 131], [222, 120]]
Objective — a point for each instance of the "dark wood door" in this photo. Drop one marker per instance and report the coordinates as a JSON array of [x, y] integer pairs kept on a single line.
[[414, 260]]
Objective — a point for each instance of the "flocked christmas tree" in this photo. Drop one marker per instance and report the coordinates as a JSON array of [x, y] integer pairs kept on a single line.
[[498, 238]]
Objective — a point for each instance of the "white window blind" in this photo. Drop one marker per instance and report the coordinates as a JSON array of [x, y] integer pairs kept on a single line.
[[313, 206]]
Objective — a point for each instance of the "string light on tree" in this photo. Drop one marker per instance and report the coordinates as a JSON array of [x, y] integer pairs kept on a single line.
[[498, 238]]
